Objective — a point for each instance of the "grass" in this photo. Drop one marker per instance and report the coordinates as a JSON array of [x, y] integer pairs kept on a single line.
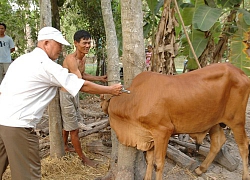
[[90, 69]]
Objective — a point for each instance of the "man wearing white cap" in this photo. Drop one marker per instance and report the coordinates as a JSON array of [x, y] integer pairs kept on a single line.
[[29, 85]]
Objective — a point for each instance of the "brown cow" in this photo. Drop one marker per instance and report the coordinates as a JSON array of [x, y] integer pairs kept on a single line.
[[160, 106]]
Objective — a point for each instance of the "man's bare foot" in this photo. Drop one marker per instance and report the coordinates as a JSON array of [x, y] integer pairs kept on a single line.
[[69, 149], [88, 162]]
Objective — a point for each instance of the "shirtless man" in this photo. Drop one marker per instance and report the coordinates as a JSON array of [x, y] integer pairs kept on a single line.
[[72, 120]]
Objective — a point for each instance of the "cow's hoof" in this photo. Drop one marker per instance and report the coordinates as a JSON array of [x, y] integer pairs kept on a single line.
[[198, 171]]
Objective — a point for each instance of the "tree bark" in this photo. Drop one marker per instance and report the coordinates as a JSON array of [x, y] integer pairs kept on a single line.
[[30, 42], [55, 14], [113, 67], [45, 17], [133, 42], [55, 128], [55, 123], [133, 64], [113, 74]]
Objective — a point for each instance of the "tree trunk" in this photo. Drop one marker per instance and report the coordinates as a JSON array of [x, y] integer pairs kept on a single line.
[[112, 72], [45, 16], [55, 14], [30, 42], [133, 64], [55, 128], [55, 124], [133, 42], [99, 53], [113, 67]]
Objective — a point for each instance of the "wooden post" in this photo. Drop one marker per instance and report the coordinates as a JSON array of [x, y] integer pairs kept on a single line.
[[55, 128]]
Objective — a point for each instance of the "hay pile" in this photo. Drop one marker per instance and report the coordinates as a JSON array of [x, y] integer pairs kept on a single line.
[[70, 167]]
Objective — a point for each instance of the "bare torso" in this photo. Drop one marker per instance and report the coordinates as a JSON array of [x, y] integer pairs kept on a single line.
[[74, 65]]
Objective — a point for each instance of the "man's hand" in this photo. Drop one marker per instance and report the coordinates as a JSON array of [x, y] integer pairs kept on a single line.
[[116, 89], [103, 78]]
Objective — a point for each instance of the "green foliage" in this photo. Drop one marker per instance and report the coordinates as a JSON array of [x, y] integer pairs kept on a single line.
[[238, 55], [116, 10], [152, 11], [246, 15], [200, 18], [16, 14], [216, 32], [84, 95], [205, 17], [187, 15], [90, 69], [155, 5], [60, 3], [87, 15], [199, 42], [229, 3], [205, 20], [197, 37], [211, 3]]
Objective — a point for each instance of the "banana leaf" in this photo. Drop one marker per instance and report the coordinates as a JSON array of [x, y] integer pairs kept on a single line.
[[155, 5], [205, 17], [187, 15], [199, 43], [246, 15], [239, 48], [229, 3]]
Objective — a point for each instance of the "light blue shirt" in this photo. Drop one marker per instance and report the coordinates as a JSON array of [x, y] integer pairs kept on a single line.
[[30, 83], [6, 43]]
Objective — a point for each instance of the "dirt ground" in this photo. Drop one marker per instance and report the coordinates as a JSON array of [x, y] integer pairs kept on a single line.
[[70, 168]]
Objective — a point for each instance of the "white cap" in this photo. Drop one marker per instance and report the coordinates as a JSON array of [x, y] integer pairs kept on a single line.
[[47, 33]]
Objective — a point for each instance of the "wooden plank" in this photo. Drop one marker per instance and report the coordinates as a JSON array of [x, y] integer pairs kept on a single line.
[[181, 159], [223, 157], [97, 123]]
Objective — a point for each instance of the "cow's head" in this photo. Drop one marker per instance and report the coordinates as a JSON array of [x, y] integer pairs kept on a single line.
[[105, 98]]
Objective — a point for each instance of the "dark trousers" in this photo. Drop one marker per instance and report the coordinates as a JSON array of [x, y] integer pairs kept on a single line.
[[19, 148]]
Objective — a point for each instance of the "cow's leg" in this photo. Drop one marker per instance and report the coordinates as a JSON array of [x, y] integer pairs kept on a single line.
[[218, 138], [242, 142], [150, 164], [161, 138]]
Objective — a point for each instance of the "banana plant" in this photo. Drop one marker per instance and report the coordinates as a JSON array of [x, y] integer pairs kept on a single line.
[[240, 46], [204, 20], [151, 17]]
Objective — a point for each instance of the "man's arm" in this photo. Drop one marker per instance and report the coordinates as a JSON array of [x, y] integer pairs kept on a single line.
[[12, 45], [12, 50], [94, 88], [90, 77]]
